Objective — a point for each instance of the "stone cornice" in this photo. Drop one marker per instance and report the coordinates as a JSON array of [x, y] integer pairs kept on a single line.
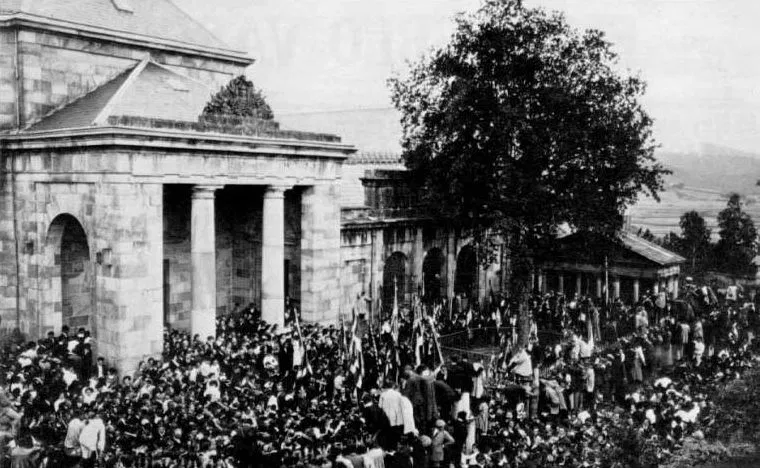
[[148, 138], [148, 42]]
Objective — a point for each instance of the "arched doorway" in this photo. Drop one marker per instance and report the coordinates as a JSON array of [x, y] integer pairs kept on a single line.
[[466, 281], [394, 279], [432, 272], [72, 275]]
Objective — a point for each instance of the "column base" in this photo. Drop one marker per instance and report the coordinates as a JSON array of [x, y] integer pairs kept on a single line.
[[273, 312], [203, 323]]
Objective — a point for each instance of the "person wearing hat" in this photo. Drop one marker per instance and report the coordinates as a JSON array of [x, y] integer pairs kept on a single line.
[[438, 443]]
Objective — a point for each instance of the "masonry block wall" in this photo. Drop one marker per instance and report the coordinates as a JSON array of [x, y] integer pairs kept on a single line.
[[356, 251], [367, 249], [56, 68], [177, 279], [320, 253], [122, 225], [7, 249], [8, 93]]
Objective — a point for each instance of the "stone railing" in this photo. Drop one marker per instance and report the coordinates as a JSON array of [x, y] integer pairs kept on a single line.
[[364, 214], [369, 157], [223, 125]]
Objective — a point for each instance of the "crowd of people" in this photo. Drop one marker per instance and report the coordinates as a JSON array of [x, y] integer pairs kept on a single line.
[[351, 395]]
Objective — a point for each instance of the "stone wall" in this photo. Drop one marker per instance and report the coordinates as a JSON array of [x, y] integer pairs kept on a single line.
[[7, 78], [57, 68], [320, 253], [122, 224], [8, 276], [366, 247], [177, 280]]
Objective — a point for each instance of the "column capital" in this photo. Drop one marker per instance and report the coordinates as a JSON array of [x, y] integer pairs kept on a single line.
[[276, 191], [205, 191]]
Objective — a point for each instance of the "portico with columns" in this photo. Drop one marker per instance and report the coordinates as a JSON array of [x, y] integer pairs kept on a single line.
[[629, 267], [174, 227]]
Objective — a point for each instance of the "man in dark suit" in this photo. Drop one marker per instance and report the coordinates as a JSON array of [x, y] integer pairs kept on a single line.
[[375, 418], [101, 371], [619, 376]]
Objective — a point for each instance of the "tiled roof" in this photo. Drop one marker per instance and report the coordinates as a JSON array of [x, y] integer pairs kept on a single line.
[[159, 19], [649, 250], [146, 90], [82, 112], [630, 242], [151, 96]]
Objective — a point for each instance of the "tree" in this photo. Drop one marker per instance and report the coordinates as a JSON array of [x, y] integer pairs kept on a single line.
[[239, 98], [521, 123], [695, 239], [673, 242], [738, 238], [647, 235]]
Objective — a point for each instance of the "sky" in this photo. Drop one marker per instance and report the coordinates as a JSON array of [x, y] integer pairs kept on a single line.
[[700, 58]]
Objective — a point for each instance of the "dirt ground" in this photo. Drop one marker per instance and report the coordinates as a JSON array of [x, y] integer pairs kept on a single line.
[[742, 462]]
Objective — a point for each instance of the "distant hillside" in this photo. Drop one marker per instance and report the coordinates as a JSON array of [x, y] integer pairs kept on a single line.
[[701, 181]]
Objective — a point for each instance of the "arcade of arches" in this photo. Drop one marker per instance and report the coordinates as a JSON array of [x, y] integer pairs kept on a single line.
[[435, 274]]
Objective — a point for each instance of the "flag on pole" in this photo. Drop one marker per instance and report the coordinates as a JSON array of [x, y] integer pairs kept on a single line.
[[418, 340], [356, 359], [436, 340], [306, 369], [343, 337], [395, 325], [354, 322]]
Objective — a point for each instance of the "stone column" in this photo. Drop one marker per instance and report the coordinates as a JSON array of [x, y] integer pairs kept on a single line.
[[203, 261], [599, 286], [417, 261], [273, 256], [656, 286], [675, 287], [578, 283], [378, 259], [616, 287], [635, 290], [561, 282], [541, 281], [451, 264]]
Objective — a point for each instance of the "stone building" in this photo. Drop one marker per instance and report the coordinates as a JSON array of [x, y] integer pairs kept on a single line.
[[121, 210]]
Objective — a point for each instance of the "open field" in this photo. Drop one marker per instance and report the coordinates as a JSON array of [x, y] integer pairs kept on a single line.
[[701, 181]]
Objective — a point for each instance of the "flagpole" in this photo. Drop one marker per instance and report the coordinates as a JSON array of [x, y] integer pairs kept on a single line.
[[606, 282], [303, 341]]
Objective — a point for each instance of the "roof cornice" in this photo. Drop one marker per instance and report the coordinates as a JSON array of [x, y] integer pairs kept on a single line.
[[148, 42], [168, 140]]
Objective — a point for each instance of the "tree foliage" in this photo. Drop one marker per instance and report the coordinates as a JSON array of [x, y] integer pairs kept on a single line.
[[239, 98], [646, 234], [738, 238], [695, 240], [521, 123]]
